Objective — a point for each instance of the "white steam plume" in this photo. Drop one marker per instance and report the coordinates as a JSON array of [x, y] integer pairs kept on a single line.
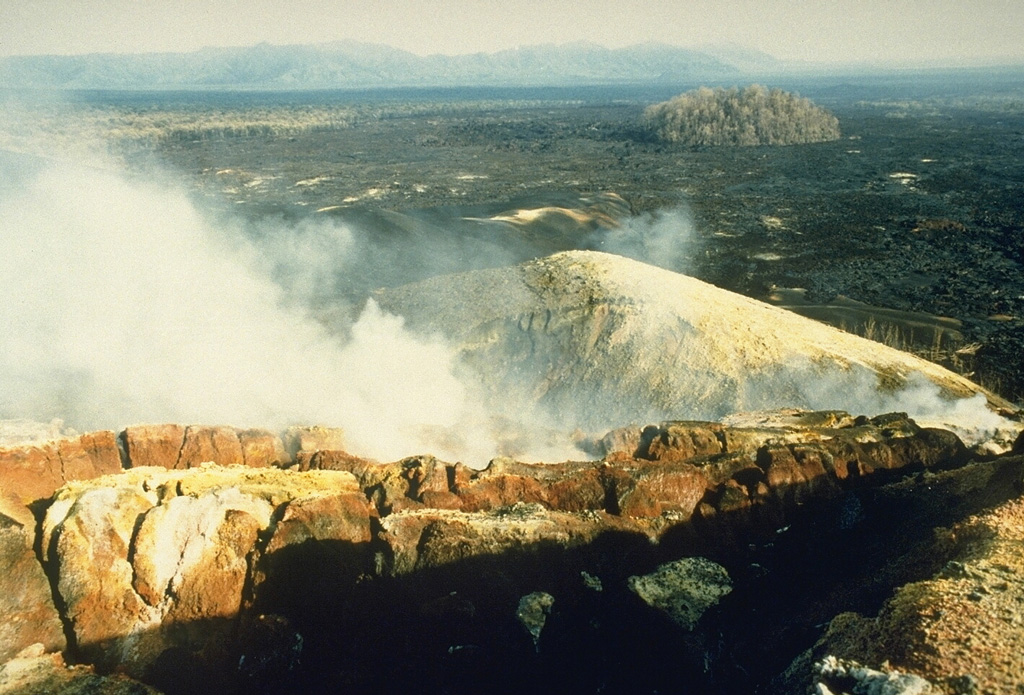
[[664, 238], [121, 305]]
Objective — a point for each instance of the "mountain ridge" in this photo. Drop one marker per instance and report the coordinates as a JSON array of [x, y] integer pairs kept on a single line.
[[354, 64]]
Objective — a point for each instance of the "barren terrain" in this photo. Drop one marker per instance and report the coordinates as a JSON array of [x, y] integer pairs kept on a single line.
[[917, 208]]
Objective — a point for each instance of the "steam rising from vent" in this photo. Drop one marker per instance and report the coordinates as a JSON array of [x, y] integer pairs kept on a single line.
[[122, 305], [664, 238]]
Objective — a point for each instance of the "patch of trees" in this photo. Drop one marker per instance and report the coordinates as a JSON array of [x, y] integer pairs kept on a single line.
[[752, 115]]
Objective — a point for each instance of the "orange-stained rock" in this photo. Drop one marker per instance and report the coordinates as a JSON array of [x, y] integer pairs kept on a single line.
[[31, 472], [27, 612], [34, 471], [34, 672], [500, 491], [89, 456], [218, 445], [261, 449], [90, 554], [153, 560], [177, 447], [343, 516], [153, 445], [680, 441], [656, 489]]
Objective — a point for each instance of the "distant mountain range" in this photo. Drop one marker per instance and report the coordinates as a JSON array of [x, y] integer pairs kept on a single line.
[[350, 64]]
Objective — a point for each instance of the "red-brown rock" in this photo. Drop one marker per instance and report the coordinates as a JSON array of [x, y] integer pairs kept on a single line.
[[313, 438], [794, 473], [35, 471], [153, 445], [680, 441], [218, 445], [656, 489], [261, 449]]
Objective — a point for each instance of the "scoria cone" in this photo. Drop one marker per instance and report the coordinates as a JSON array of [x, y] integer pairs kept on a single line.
[[597, 339]]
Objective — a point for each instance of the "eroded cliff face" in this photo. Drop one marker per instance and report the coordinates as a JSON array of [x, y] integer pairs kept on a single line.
[[685, 555]]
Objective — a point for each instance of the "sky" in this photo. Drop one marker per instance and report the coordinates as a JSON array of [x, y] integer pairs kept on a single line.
[[951, 32]]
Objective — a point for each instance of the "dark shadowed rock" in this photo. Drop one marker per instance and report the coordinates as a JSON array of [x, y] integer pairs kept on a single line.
[[419, 539], [532, 613]]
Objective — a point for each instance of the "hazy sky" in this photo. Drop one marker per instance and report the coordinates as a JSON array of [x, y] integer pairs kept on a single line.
[[952, 31]]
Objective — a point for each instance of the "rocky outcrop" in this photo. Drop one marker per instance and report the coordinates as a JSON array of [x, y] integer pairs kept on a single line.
[[431, 538], [178, 447], [34, 469], [153, 560], [962, 630], [202, 577]]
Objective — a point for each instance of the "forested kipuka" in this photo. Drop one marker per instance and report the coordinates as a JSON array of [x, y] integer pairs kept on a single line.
[[752, 115]]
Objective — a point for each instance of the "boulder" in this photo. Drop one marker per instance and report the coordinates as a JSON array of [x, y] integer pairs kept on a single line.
[[532, 613], [684, 589]]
